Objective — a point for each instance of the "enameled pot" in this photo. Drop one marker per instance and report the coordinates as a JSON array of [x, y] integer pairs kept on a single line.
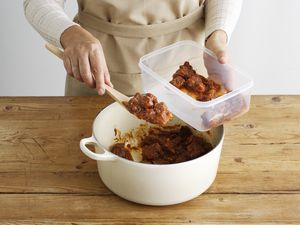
[[146, 183]]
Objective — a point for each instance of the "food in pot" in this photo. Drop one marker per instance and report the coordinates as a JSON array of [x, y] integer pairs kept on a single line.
[[121, 150], [165, 145], [147, 107], [197, 86]]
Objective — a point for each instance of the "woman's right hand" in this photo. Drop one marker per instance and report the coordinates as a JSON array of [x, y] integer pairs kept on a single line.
[[84, 58]]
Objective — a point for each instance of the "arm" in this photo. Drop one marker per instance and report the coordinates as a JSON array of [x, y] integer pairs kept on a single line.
[[221, 17], [48, 18], [83, 56]]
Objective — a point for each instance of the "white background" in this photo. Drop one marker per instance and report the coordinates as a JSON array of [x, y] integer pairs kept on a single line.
[[265, 44]]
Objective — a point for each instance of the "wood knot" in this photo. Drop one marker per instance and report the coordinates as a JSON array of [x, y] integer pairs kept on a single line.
[[84, 161], [221, 199], [276, 99], [8, 107], [78, 167], [238, 159], [249, 125]]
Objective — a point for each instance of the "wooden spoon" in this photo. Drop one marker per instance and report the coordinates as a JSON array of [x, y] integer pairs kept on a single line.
[[163, 117], [116, 95]]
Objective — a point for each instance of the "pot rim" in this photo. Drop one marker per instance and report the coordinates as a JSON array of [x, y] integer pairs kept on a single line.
[[134, 163]]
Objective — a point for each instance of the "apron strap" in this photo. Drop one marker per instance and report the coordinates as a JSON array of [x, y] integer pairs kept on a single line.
[[140, 31]]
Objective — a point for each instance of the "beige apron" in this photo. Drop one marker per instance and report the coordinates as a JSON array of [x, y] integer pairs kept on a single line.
[[129, 29]]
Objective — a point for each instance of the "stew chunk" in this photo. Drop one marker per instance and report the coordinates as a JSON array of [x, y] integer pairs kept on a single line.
[[197, 86], [147, 107]]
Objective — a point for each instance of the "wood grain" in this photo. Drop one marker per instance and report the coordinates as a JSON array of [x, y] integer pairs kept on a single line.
[[45, 179], [209, 208]]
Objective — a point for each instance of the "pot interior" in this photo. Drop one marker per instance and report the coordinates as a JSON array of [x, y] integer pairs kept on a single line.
[[116, 117]]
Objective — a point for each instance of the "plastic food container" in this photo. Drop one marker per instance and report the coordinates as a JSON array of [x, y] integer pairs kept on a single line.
[[158, 67]]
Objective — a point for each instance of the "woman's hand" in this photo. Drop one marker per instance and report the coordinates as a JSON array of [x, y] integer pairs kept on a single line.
[[217, 68], [84, 58], [217, 43]]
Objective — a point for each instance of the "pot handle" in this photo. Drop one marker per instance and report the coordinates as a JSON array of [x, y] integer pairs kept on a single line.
[[106, 156]]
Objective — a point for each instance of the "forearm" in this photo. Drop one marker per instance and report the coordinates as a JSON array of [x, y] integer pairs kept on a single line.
[[48, 18], [221, 15]]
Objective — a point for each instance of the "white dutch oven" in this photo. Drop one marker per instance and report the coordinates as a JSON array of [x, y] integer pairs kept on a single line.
[[145, 183]]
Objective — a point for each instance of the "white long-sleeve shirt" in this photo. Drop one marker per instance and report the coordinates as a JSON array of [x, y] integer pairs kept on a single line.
[[50, 20]]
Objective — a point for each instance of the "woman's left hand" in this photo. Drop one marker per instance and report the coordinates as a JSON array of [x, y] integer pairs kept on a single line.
[[217, 68], [217, 43]]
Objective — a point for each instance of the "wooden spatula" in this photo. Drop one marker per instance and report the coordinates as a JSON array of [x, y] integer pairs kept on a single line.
[[116, 95]]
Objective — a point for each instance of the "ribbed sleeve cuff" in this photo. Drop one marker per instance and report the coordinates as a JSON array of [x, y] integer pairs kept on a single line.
[[227, 29], [48, 18], [59, 29], [222, 15]]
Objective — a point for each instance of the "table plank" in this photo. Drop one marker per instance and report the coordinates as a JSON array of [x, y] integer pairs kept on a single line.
[[103, 222], [209, 208], [72, 172]]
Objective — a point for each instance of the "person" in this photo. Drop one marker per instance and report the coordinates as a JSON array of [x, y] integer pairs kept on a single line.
[[107, 37]]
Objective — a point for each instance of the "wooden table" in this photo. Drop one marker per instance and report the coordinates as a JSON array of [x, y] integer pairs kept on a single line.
[[45, 179]]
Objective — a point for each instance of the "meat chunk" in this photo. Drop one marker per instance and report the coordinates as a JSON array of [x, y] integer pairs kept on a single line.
[[147, 107], [174, 146], [185, 71], [197, 86], [119, 149], [152, 151], [196, 147], [178, 81], [195, 83]]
